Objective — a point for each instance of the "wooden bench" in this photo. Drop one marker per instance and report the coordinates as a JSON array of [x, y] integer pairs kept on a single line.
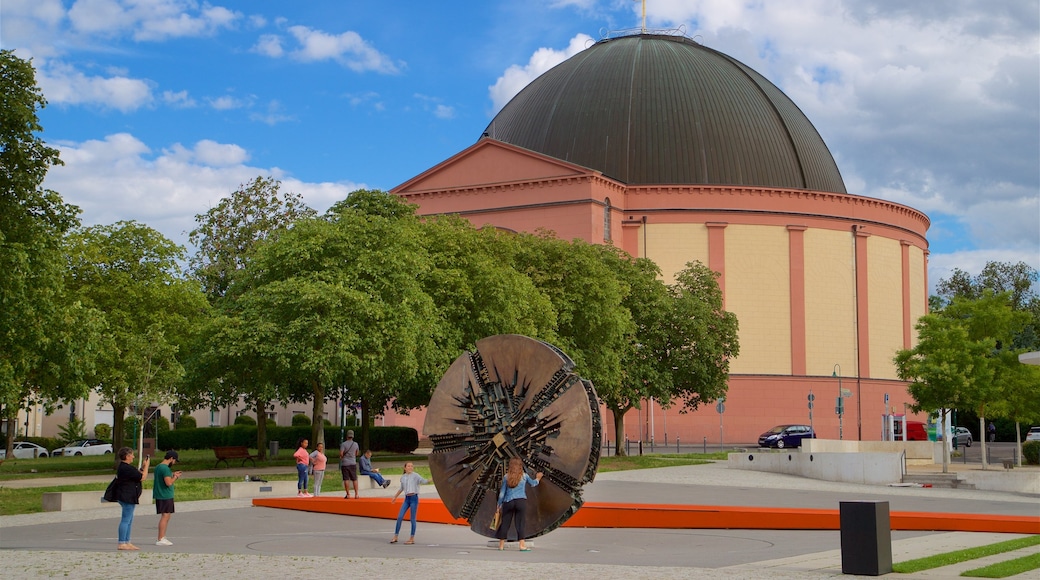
[[233, 452]]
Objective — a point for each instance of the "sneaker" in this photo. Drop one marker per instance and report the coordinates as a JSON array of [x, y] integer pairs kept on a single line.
[[386, 483], [305, 494], [164, 542]]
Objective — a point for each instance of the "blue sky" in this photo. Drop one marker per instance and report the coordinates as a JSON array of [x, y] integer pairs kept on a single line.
[[162, 107]]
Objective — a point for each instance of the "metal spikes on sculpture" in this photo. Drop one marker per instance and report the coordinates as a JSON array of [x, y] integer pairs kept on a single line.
[[514, 397]]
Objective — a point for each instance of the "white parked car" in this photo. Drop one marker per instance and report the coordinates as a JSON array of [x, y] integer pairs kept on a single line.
[[84, 447], [1034, 434], [25, 450]]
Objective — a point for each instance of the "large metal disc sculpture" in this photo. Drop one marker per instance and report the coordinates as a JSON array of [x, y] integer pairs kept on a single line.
[[514, 397]]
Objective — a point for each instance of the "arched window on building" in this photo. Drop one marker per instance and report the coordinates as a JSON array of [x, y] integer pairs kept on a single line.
[[606, 220]]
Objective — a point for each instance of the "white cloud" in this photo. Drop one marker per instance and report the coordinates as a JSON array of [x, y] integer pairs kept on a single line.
[[269, 45], [273, 115], [444, 112], [348, 49], [219, 154], [149, 20], [64, 85], [99, 16], [517, 77], [119, 178], [179, 99], [226, 102], [356, 99]]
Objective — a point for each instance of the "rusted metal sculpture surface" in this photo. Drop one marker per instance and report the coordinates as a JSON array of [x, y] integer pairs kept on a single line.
[[514, 397]]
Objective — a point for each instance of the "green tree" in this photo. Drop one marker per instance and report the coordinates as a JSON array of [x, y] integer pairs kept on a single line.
[[683, 342], [226, 365], [342, 300], [227, 234], [1020, 387], [701, 337], [1017, 280], [580, 280], [131, 273], [946, 368], [44, 336], [477, 291], [989, 318]]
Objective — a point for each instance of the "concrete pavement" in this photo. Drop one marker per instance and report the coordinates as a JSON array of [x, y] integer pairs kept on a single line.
[[244, 541]]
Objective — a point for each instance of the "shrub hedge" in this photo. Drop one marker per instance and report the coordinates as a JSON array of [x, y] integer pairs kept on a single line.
[[1031, 452]]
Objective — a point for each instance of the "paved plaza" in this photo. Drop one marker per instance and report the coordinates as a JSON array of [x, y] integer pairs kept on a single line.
[[233, 539]]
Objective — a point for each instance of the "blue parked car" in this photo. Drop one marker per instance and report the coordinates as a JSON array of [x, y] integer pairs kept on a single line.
[[783, 436]]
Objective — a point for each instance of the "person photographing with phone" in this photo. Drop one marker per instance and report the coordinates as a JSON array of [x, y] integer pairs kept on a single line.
[[162, 493], [128, 493]]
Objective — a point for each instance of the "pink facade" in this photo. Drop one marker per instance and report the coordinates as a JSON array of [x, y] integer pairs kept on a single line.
[[501, 185]]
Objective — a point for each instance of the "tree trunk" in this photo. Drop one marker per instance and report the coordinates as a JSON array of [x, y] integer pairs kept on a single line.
[[366, 420], [318, 415], [261, 428], [944, 427], [118, 428], [983, 437], [11, 427], [1018, 444], [619, 430]]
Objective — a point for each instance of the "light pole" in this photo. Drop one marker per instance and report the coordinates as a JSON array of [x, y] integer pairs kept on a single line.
[[839, 407]]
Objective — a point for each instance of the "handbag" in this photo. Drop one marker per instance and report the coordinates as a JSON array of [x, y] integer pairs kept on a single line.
[[496, 520], [110, 491]]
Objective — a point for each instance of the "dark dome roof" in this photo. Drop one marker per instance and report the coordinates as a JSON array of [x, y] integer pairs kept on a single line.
[[657, 109]]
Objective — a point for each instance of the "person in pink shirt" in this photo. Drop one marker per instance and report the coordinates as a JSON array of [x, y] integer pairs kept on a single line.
[[303, 459], [318, 460]]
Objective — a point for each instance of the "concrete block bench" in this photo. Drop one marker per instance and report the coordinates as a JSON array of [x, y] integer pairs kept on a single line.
[[63, 501], [247, 489], [366, 482]]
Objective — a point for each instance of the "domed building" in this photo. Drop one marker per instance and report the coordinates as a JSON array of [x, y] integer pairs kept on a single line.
[[677, 152]]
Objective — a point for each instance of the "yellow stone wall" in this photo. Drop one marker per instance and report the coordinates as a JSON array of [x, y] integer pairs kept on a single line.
[[885, 303], [758, 291], [830, 302], [671, 246], [918, 300]]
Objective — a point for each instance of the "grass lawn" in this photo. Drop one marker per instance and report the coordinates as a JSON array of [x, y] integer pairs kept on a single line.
[[1005, 569], [190, 460], [956, 557], [29, 500]]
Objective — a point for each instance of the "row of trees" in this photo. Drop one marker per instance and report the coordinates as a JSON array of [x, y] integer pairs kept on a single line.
[[368, 302], [966, 357]]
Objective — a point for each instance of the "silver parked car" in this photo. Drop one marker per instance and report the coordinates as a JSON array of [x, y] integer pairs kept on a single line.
[[1034, 434], [962, 436]]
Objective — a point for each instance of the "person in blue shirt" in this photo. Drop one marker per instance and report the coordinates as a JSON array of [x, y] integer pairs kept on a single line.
[[365, 468], [512, 502]]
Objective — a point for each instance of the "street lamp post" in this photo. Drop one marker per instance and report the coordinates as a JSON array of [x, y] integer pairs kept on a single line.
[[839, 407]]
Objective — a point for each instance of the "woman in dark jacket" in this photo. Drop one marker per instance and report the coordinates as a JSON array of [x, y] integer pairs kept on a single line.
[[128, 492]]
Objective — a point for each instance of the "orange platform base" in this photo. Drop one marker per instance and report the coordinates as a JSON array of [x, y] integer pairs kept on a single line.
[[633, 515]]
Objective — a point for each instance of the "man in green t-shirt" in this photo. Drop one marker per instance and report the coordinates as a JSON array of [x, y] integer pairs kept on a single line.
[[162, 493]]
